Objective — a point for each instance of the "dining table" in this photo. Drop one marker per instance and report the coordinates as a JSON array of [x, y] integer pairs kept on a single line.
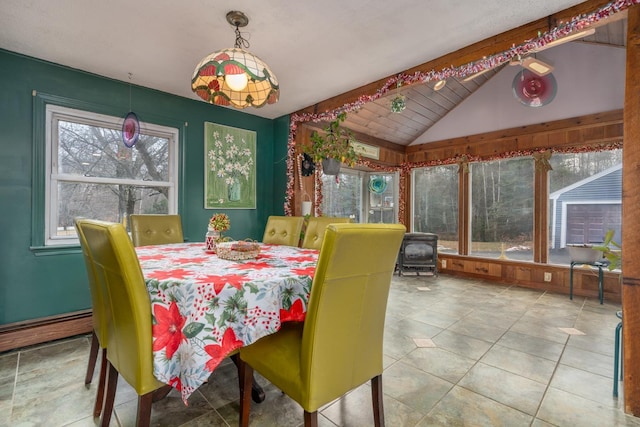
[[204, 307]]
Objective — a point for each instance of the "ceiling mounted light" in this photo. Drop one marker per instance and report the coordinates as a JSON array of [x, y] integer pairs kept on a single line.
[[536, 66], [532, 64], [569, 38], [439, 84], [234, 76]]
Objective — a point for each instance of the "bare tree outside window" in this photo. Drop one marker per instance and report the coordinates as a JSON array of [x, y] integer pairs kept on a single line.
[[502, 208], [435, 204], [94, 175]]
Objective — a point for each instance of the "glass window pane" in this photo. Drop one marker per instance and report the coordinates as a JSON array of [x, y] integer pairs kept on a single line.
[[105, 202], [585, 200], [502, 208], [435, 204], [343, 196], [94, 151]]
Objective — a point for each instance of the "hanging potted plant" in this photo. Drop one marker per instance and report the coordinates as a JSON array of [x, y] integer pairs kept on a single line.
[[332, 147]]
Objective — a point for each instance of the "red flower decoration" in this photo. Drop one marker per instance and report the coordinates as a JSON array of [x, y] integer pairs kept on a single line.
[[167, 332], [176, 383], [252, 266], [199, 260], [309, 271], [218, 282], [300, 258], [178, 273], [295, 313], [219, 352], [151, 257]]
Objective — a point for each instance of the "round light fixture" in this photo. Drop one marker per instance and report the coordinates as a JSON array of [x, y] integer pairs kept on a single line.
[[234, 76]]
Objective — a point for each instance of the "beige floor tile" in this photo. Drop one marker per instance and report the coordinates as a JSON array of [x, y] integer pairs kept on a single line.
[[499, 360]]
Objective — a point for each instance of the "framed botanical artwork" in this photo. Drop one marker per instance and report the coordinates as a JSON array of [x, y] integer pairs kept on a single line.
[[230, 167]]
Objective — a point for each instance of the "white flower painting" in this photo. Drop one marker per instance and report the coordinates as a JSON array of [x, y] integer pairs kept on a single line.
[[230, 172]]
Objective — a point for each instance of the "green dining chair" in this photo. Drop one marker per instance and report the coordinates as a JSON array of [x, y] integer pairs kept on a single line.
[[155, 229], [283, 230], [99, 316], [129, 334], [316, 226], [339, 345]]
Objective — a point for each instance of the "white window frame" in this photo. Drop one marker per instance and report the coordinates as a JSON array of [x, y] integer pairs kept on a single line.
[[56, 113]]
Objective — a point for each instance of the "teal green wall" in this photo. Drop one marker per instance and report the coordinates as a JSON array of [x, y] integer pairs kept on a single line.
[[36, 284]]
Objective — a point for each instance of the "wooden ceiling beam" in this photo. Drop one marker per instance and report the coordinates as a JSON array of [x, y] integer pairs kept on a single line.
[[487, 47]]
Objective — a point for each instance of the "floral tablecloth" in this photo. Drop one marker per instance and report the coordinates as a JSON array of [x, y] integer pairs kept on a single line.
[[204, 307]]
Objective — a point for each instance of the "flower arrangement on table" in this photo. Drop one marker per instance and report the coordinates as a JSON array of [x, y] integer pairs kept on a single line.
[[220, 222], [217, 224]]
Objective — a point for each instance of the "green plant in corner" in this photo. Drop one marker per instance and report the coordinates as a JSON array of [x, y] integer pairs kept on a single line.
[[611, 250], [333, 143]]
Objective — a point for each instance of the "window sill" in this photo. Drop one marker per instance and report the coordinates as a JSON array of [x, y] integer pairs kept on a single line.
[[55, 250]]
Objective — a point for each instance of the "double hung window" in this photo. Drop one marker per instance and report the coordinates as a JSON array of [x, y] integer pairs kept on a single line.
[[91, 173]]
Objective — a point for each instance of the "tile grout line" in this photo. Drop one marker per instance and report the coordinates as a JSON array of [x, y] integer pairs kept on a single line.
[[457, 383], [15, 385], [555, 369]]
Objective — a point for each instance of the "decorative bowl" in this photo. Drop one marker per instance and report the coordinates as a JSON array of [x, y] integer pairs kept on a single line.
[[237, 251]]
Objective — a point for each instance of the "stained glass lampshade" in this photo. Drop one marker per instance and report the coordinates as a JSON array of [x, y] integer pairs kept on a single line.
[[234, 76], [211, 80]]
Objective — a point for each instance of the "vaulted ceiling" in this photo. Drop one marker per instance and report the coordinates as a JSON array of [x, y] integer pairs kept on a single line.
[[425, 106], [318, 50]]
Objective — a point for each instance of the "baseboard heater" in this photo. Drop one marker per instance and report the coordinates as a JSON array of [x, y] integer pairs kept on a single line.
[[37, 331]]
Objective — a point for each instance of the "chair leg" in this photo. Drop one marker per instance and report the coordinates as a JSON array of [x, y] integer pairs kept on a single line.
[[257, 393], [97, 408], [161, 393], [112, 384], [376, 395], [245, 374], [93, 356], [143, 417], [310, 419], [616, 359]]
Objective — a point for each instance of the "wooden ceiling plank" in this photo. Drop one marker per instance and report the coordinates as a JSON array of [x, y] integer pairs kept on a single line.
[[487, 47]]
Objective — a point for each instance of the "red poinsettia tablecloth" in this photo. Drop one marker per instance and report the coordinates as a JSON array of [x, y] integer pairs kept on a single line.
[[205, 307]]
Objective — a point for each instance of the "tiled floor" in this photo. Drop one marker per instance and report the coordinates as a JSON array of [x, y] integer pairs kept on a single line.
[[457, 352]]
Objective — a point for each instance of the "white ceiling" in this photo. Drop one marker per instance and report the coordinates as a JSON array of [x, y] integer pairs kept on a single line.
[[317, 49]]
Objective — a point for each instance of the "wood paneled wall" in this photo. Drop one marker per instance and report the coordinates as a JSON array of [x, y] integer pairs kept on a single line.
[[588, 130]]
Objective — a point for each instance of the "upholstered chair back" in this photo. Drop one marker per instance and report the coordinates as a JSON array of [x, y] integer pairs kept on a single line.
[[155, 229], [316, 226], [338, 347], [283, 230], [129, 335]]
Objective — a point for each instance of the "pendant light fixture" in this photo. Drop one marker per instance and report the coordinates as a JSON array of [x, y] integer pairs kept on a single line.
[[234, 76]]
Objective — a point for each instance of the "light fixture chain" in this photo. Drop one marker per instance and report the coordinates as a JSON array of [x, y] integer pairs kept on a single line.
[[130, 77], [241, 42]]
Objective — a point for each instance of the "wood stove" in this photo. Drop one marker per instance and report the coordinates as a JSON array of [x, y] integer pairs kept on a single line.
[[418, 252]]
